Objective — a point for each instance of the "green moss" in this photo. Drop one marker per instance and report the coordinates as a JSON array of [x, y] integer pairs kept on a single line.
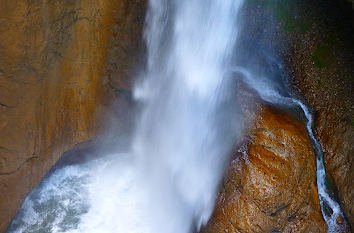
[[332, 40], [321, 56], [287, 12], [319, 82], [304, 26], [289, 15], [284, 14], [343, 120]]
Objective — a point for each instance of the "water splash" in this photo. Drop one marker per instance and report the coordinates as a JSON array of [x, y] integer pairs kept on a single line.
[[188, 125], [103, 195]]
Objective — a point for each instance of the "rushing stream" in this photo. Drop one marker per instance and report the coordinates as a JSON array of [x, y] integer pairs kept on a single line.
[[330, 208], [188, 125]]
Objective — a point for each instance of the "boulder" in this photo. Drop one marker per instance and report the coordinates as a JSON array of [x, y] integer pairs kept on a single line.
[[270, 185]]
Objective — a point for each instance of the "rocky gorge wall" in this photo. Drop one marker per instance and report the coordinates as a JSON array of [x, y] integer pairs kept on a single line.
[[315, 41], [321, 60], [62, 63]]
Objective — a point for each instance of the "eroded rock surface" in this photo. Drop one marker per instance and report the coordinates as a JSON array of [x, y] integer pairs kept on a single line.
[[271, 182], [313, 42], [321, 60], [56, 80]]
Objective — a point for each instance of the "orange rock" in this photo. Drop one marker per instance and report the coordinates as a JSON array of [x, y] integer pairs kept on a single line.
[[329, 90], [55, 82], [271, 182], [340, 220]]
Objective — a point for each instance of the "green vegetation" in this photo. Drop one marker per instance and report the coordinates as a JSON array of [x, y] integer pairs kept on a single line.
[[304, 26], [287, 13], [292, 18], [319, 82], [331, 40], [284, 15], [322, 56]]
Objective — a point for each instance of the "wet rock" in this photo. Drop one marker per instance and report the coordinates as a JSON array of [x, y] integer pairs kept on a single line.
[[56, 82], [340, 220], [321, 61], [270, 185]]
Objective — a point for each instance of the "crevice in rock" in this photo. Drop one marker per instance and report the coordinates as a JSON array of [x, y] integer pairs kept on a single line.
[[19, 167], [3, 105]]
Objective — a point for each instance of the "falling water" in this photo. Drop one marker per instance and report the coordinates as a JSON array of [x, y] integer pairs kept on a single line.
[[188, 125]]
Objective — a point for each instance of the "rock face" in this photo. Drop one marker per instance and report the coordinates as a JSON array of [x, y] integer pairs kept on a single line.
[[271, 182], [322, 67], [56, 74], [314, 38]]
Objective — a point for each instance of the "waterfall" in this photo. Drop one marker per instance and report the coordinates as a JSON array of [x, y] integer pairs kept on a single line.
[[188, 125]]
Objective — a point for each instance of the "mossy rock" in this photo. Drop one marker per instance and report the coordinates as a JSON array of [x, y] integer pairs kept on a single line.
[[322, 56]]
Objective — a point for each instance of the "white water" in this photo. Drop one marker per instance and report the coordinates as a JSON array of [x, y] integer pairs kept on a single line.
[[269, 93], [188, 126], [185, 134], [101, 196], [168, 181]]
